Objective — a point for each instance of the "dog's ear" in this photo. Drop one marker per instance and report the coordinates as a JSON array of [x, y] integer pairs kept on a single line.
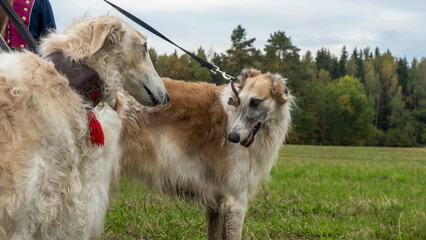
[[103, 31], [279, 89], [247, 73], [100, 34]]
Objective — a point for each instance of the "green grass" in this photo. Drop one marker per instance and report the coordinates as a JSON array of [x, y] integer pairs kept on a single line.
[[314, 193]]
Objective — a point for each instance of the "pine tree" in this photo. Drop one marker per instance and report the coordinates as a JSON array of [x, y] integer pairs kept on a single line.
[[279, 50], [240, 52], [323, 59], [198, 72], [282, 57], [402, 72], [342, 62]]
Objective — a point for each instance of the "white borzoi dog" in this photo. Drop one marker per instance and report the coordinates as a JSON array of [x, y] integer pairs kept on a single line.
[[54, 182], [182, 148]]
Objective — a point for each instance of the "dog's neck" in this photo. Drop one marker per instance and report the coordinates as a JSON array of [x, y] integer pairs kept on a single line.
[[82, 79]]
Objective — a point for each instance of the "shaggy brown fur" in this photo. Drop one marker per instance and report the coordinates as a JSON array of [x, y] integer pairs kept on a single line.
[[194, 117]]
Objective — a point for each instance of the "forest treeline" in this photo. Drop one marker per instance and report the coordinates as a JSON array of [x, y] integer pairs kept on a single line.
[[363, 97]]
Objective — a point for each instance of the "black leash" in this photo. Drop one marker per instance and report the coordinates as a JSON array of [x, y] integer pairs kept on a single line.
[[20, 26], [213, 68]]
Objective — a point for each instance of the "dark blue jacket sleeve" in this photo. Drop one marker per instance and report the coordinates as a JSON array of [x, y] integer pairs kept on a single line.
[[42, 18]]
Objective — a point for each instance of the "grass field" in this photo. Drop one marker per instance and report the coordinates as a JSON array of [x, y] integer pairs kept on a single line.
[[314, 193]]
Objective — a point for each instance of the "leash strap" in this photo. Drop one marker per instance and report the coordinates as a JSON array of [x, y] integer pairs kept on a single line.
[[3, 45], [213, 68], [20, 26]]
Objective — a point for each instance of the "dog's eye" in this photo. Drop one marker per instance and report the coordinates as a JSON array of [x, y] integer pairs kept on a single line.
[[145, 46], [254, 102]]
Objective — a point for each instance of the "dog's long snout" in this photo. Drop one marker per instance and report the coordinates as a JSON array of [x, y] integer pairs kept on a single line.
[[234, 137]]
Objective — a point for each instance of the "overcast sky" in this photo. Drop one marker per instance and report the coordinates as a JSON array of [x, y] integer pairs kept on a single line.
[[397, 25]]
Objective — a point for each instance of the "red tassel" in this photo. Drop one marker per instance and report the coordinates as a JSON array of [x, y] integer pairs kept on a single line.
[[96, 132]]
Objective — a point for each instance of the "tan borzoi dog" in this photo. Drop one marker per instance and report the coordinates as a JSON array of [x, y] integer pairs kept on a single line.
[[54, 183], [182, 148]]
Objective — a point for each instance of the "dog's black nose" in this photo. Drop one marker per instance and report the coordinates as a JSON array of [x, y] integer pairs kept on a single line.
[[234, 137]]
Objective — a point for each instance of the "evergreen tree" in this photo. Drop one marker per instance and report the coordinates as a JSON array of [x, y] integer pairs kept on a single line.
[[342, 62], [279, 50], [376, 52], [360, 65], [334, 67], [417, 80], [282, 57], [401, 131], [308, 123], [367, 53], [419, 115], [240, 52], [323, 59], [402, 72], [198, 72]]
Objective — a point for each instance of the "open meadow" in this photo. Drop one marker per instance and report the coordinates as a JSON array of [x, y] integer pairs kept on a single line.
[[315, 192]]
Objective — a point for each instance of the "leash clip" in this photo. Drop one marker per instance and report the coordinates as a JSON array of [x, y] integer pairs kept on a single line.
[[224, 74]]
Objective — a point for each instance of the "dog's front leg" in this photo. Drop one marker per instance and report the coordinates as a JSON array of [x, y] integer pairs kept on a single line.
[[214, 224], [226, 222]]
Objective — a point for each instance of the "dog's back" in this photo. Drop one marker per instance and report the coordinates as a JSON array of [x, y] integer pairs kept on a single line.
[[162, 144], [194, 118]]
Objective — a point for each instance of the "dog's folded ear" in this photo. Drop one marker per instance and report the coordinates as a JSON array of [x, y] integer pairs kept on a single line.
[[100, 33], [103, 31], [247, 73], [279, 88]]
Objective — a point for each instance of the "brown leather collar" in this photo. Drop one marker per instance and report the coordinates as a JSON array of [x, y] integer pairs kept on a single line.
[[83, 79]]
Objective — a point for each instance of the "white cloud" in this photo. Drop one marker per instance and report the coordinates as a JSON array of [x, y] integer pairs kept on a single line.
[[397, 25]]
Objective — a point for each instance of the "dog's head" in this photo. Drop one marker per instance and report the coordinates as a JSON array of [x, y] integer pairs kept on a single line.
[[263, 97], [116, 51]]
